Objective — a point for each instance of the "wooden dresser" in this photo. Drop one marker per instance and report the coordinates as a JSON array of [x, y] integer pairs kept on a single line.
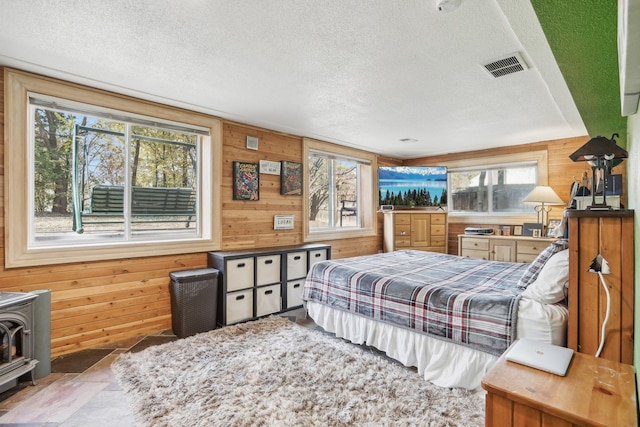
[[501, 248], [609, 233], [421, 230], [595, 392]]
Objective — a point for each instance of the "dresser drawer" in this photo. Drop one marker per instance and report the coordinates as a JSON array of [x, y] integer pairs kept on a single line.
[[267, 269], [528, 258], [437, 230], [268, 300], [296, 265], [438, 240], [437, 219], [403, 219], [474, 253], [402, 242], [403, 229], [294, 293], [477, 244], [239, 273], [533, 248], [239, 306]]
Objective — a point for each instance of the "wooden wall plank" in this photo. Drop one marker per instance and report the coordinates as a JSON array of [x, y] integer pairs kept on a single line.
[[590, 288], [610, 233], [627, 299]]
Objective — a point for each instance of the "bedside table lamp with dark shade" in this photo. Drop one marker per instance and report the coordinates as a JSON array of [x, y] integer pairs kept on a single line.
[[540, 196], [602, 154]]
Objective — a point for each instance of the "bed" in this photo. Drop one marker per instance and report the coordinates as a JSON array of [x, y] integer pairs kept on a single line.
[[450, 317]]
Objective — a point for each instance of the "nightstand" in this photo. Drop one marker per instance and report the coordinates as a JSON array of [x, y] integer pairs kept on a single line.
[[595, 392]]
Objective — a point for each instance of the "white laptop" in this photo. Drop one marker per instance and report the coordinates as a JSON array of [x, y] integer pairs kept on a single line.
[[539, 355]]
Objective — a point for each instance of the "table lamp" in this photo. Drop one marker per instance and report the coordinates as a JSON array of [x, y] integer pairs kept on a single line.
[[601, 153], [540, 196]]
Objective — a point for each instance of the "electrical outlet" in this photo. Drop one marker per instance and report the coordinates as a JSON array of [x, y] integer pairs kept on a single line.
[[599, 265]]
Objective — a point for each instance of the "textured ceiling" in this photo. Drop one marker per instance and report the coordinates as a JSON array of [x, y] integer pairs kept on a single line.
[[365, 73]]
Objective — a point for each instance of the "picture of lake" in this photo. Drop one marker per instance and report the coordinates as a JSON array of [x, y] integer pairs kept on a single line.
[[435, 188], [412, 186]]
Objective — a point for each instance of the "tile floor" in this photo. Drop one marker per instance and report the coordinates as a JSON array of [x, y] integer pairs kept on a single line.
[[81, 389]]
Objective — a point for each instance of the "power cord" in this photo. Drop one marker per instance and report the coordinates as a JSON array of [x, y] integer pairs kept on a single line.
[[600, 265]]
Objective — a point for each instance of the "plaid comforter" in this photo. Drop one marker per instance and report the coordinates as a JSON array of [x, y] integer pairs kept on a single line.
[[467, 301]]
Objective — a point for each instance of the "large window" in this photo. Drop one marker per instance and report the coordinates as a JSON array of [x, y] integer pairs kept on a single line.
[[91, 173], [494, 190], [483, 189], [340, 202], [97, 178]]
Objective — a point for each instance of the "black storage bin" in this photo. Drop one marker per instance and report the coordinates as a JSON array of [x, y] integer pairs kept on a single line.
[[194, 295]]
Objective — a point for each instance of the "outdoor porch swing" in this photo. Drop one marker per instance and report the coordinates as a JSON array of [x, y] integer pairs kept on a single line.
[[106, 203]]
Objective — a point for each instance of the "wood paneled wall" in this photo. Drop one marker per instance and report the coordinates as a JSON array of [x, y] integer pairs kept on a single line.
[[95, 303]]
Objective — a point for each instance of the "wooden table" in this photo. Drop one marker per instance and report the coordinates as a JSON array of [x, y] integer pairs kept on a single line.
[[595, 392]]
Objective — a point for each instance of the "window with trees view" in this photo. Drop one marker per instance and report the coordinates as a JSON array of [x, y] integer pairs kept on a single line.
[[93, 175], [341, 189], [492, 190], [97, 177], [333, 192]]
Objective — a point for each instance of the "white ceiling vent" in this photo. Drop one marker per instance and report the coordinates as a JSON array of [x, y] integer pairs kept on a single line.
[[507, 65]]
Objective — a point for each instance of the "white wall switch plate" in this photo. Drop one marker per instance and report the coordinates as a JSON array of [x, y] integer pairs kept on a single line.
[[283, 222]]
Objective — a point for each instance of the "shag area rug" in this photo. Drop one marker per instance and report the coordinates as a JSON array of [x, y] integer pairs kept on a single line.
[[273, 372]]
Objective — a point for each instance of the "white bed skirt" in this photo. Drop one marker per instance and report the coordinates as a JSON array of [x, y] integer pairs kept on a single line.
[[443, 363]]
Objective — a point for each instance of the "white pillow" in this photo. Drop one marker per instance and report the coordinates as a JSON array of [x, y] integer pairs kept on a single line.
[[549, 286]]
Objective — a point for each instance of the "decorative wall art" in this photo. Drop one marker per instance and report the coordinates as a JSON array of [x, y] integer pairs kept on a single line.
[[291, 178], [246, 181]]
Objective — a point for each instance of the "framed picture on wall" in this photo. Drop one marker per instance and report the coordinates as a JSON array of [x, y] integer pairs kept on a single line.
[[291, 178], [246, 181]]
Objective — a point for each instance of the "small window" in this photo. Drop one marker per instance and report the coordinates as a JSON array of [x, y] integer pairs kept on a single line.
[[492, 190], [340, 198], [333, 192]]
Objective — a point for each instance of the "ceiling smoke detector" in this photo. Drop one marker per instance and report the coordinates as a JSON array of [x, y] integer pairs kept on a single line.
[[408, 140], [507, 65]]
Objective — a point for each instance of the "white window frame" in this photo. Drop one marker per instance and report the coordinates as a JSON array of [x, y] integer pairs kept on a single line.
[[367, 220], [540, 157], [18, 252]]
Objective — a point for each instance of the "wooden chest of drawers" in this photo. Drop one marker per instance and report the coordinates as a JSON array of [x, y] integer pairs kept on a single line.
[[419, 230]]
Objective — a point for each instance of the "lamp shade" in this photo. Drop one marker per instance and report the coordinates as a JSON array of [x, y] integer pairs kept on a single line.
[[599, 146], [543, 194]]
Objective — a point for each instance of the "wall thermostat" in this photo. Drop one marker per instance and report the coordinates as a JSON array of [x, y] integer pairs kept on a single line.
[[252, 142]]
